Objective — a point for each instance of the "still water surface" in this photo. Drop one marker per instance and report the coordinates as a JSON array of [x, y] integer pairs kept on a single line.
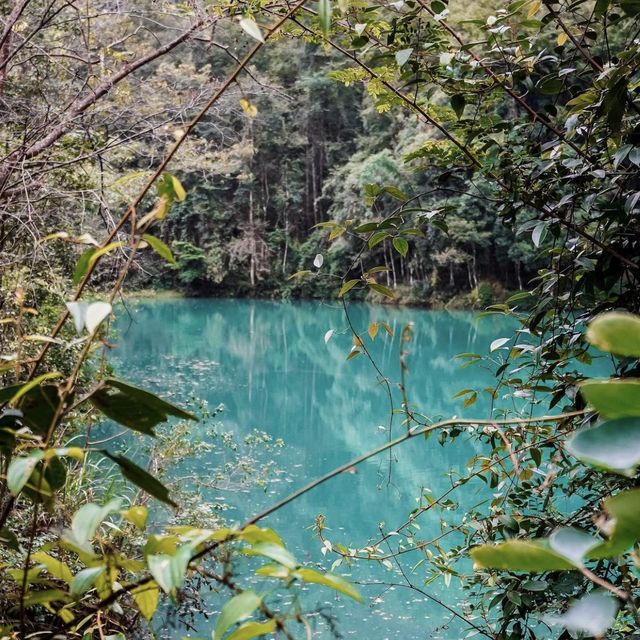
[[269, 365]]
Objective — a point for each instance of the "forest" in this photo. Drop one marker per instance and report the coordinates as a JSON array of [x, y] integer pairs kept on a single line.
[[319, 319]]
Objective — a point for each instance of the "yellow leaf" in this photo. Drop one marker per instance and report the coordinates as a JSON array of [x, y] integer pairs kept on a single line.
[[66, 615], [562, 38], [178, 189], [159, 212], [357, 341], [137, 515], [55, 567], [534, 8], [250, 109], [146, 598], [61, 235], [373, 330], [100, 252], [253, 630]]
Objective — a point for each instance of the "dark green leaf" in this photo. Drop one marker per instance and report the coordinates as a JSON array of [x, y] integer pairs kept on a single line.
[[141, 478], [133, 407], [380, 288], [458, 103], [401, 246], [347, 286]]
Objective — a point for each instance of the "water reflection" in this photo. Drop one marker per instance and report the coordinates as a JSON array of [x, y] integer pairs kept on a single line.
[[269, 365]]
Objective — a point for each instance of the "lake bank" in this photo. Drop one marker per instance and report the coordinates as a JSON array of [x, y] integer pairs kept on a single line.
[[476, 299]]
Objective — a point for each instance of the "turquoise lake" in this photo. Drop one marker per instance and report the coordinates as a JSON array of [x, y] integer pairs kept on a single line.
[[269, 365]]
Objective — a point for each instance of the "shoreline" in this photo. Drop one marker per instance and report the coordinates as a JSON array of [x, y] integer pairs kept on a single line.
[[458, 302]]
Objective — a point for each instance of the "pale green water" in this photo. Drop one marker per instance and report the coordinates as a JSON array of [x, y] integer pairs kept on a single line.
[[269, 365]]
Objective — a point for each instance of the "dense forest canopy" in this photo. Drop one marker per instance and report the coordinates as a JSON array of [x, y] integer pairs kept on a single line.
[[437, 153]]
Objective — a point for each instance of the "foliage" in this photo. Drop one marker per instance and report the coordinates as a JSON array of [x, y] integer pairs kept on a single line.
[[498, 148]]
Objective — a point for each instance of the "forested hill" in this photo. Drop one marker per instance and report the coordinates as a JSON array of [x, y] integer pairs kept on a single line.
[[303, 138], [309, 147]]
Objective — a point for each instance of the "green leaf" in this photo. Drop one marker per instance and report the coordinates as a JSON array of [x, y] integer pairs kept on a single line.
[[539, 233], [614, 105], [380, 288], [250, 26], [253, 630], [613, 445], [160, 248], [367, 227], [170, 571], [592, 615], [146, 597], [141, 478], [238, 609], [377, 238], [39, 406], [45, 597], [401, 246], [458, 103], [88, 517], [8, 392], [133, 407], [549, 85], [347, 286], [20, 470], [520, 555], [616, 332], [82, 265], [325, 11], [330, 580], [612, 397], [273, 552], [630, 7], [9, 539], [84, 580], [624, 510]]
